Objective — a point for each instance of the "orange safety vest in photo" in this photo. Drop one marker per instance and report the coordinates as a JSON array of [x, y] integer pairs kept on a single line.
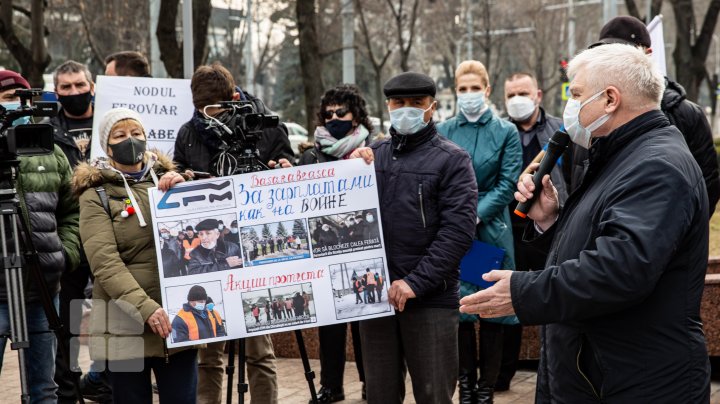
[[189, 246], [370, 278], [189, 319]]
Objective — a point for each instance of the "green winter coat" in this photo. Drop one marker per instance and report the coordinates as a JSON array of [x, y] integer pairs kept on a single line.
[[122, 258], [494, 146]]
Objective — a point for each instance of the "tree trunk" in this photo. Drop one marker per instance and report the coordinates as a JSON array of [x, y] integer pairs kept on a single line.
[[691, 48], [171, 50], [379, 99], [202, 9], [310, 61], [33, 60]]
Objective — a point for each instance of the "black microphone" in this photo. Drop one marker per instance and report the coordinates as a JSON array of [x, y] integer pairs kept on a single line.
[[555, 148]]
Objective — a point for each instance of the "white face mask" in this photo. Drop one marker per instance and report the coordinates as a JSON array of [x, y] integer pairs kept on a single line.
[[471, 103], [220, 227], [233, 230], [370, 219], [408, 120], [571, 119], [520, 108]]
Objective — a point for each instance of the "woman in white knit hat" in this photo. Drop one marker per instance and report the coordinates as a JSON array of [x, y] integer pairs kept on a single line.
[[127, 323]]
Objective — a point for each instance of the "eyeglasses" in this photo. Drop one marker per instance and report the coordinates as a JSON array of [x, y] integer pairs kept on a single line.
[[340, 112]]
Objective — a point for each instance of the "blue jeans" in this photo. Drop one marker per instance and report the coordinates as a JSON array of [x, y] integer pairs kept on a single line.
[[40, 356]]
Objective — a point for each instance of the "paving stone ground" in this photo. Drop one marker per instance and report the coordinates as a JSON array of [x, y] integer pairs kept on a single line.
[[293, 388]]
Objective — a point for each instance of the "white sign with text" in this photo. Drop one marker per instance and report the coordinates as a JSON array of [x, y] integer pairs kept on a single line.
[[273, 251], [164, 106]]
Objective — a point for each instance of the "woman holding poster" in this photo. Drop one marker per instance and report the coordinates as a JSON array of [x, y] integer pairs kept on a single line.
[[494, 146], [343, 126], [117, 235]]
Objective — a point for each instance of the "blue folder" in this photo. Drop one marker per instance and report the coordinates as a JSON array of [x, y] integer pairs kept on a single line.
[[481, 258]]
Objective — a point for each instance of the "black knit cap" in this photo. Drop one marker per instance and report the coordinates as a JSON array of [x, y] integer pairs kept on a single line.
[[196, 293], [207, 224], [626, 30], [409, 84]]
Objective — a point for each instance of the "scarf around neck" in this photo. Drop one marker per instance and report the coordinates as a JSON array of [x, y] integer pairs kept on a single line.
[[327, 144]]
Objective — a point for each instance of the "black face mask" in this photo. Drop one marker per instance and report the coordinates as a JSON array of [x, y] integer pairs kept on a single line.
[[76, 104], [338, 129], [128, 152]]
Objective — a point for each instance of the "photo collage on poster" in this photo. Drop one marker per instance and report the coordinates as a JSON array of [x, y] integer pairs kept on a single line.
[[279, 307], [359, 288], [199, 245], [345, 233], [264, 256], [196, 311], [275, 242]]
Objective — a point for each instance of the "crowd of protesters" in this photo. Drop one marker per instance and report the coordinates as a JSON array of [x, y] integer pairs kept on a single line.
[[630, 234]]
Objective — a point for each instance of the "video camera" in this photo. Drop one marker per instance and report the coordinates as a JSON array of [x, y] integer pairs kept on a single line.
[[239, 128], [23, 140], [26, 140]]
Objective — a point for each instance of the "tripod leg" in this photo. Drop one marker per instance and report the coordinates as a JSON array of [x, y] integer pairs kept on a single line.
[[16, 302], [31, 258], [230, 371], [242, 386], [309, 374]]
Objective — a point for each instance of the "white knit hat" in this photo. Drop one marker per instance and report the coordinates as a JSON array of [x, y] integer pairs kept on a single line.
[[109, 120]]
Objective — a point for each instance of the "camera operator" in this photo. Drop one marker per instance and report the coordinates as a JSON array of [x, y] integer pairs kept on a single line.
[[197, 144], [195, 147], [46, 202]]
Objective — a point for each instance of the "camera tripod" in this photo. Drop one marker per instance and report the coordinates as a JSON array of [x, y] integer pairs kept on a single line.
[[15, 277]]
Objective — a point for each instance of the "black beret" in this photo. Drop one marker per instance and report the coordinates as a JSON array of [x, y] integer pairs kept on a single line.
[[207, 224], [197, 292], [409, 84], [626, 30]]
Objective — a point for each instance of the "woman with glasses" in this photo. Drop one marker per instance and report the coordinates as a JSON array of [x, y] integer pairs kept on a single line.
[[343, 126], [494, 146]]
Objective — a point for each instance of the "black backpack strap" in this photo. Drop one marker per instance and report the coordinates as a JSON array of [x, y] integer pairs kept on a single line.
[[104, 199]]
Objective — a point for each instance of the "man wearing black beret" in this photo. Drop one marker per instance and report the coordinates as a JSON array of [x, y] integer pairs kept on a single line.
[[428, 198], [212, 254]]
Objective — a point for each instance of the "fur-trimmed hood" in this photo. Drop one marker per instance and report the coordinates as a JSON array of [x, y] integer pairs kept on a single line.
[[99, 171]]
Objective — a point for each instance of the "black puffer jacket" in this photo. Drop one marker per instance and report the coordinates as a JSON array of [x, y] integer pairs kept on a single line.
[[621, 289], [428, 200], [690, 120], [51, 213], [191, 153]]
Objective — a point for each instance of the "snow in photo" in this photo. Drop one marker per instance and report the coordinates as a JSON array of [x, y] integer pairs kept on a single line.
[[275, 242], [359, 288], [279, 307]]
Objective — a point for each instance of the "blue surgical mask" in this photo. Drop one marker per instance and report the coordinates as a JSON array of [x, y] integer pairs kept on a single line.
[[210, 306], [199, 306], [408, 120], [471, 103], [12, 106]]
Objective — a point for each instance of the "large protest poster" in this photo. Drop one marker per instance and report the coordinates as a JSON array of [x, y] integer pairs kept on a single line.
[[164, 106], [275, 250]]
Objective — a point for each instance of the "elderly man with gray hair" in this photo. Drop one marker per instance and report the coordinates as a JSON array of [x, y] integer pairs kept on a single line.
[[619, 298]]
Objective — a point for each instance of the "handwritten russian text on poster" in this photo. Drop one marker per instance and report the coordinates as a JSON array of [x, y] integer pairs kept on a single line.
[[164, 106], [271, 251]]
